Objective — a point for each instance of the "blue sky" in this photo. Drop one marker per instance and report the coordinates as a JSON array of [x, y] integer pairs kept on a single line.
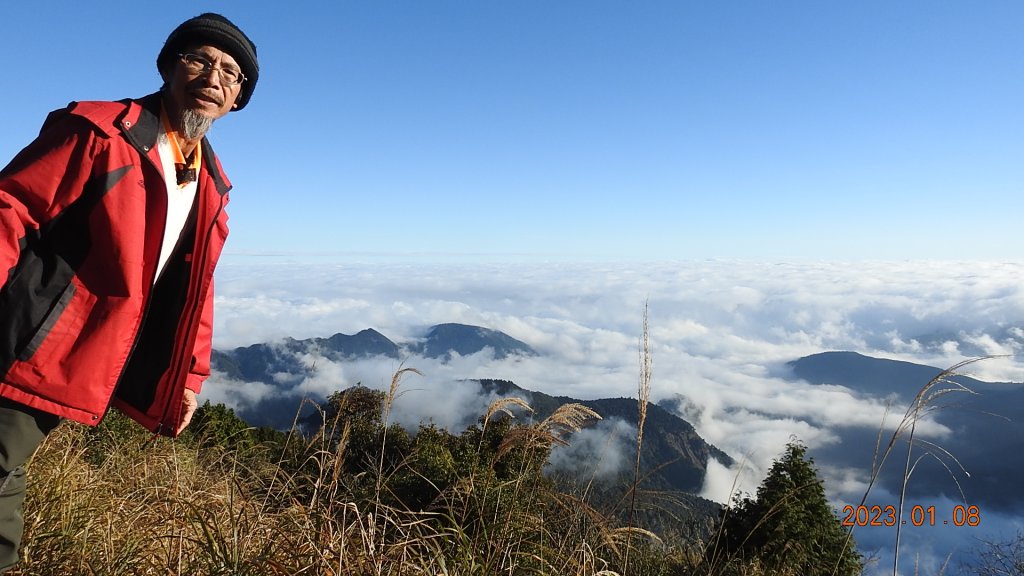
[[585, 130]]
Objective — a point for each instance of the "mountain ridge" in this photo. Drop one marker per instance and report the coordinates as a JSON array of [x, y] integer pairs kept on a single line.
[[672, 448], [671, 442], [986, 423], [265, 362], [978, 440]]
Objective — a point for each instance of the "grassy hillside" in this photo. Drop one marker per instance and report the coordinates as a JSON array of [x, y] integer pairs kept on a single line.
[[111, 501], [350, 495]]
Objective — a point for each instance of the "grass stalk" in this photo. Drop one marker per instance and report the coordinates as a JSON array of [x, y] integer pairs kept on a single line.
[[643, 397]]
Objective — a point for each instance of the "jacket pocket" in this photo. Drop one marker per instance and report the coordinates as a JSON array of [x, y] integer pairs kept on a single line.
[[36, 294], [48, 323]]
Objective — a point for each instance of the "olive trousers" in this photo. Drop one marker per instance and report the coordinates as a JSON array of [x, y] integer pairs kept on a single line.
[[22, 430]]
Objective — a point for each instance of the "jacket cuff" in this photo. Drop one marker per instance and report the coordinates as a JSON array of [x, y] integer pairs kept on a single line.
[[194, 382]]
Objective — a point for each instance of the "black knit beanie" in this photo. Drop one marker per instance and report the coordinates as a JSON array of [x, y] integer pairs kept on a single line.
[[215, 30]]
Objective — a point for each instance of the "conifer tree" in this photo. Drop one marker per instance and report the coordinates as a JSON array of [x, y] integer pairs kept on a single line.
[[789, 526], [218, 425]]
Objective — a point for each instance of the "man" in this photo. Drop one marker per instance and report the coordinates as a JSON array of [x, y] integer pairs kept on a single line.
[[111, 223]]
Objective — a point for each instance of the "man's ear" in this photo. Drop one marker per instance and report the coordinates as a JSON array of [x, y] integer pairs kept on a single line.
[[165, 76]]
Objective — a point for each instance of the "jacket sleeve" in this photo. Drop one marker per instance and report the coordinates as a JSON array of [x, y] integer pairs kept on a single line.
[[15, 221], [43, 179], [200, 370]]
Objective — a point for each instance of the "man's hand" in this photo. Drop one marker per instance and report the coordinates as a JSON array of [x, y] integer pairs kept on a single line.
[[188, 408]]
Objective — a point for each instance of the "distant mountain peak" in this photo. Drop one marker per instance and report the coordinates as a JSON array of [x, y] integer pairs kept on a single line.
[[269, 361], [867, 374], [442, 340], [985, 418]]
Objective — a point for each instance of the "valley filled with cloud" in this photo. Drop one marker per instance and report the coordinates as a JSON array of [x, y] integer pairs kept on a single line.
[[721, 335]]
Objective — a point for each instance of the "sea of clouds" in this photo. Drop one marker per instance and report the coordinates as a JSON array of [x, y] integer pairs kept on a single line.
[[720, 334]]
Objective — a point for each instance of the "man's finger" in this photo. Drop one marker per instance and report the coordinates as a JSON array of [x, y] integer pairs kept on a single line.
[[189, 405]]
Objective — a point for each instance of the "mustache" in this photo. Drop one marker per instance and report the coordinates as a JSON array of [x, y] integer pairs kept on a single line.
[[208, 95], [199, 89]]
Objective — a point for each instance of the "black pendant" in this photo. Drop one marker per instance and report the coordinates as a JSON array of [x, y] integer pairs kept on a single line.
[[185, 175]]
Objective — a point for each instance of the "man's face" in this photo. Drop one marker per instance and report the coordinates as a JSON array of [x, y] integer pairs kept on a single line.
[[203, 93]]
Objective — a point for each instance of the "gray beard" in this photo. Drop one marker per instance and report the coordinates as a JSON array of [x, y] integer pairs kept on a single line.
[[193, 125]]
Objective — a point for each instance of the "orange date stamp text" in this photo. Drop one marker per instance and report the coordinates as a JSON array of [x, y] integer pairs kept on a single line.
[[919, 516]]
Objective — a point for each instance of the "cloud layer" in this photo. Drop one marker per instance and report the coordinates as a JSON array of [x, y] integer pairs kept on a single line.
[[720, 333]]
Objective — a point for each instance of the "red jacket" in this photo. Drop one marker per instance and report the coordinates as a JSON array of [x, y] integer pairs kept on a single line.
[[82, 323]]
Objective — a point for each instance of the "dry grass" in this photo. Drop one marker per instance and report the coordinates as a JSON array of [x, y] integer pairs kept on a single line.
[[139, 507], [555, 429], [643, 397]]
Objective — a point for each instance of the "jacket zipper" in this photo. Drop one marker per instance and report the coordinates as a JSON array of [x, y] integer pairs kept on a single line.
[[143, 152], [176, 367], [135, 340]]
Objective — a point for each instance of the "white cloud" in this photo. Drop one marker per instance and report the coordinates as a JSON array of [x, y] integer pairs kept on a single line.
[[721, 333], [723, 483], [233, 393], [603, 450]]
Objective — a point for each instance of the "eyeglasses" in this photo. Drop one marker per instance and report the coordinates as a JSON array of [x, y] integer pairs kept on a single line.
[[197, 64]]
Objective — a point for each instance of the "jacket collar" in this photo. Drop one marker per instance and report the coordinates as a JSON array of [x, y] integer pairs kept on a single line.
[[141, 126]]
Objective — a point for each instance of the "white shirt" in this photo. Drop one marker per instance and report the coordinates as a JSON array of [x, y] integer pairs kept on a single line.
[[179, 202]]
